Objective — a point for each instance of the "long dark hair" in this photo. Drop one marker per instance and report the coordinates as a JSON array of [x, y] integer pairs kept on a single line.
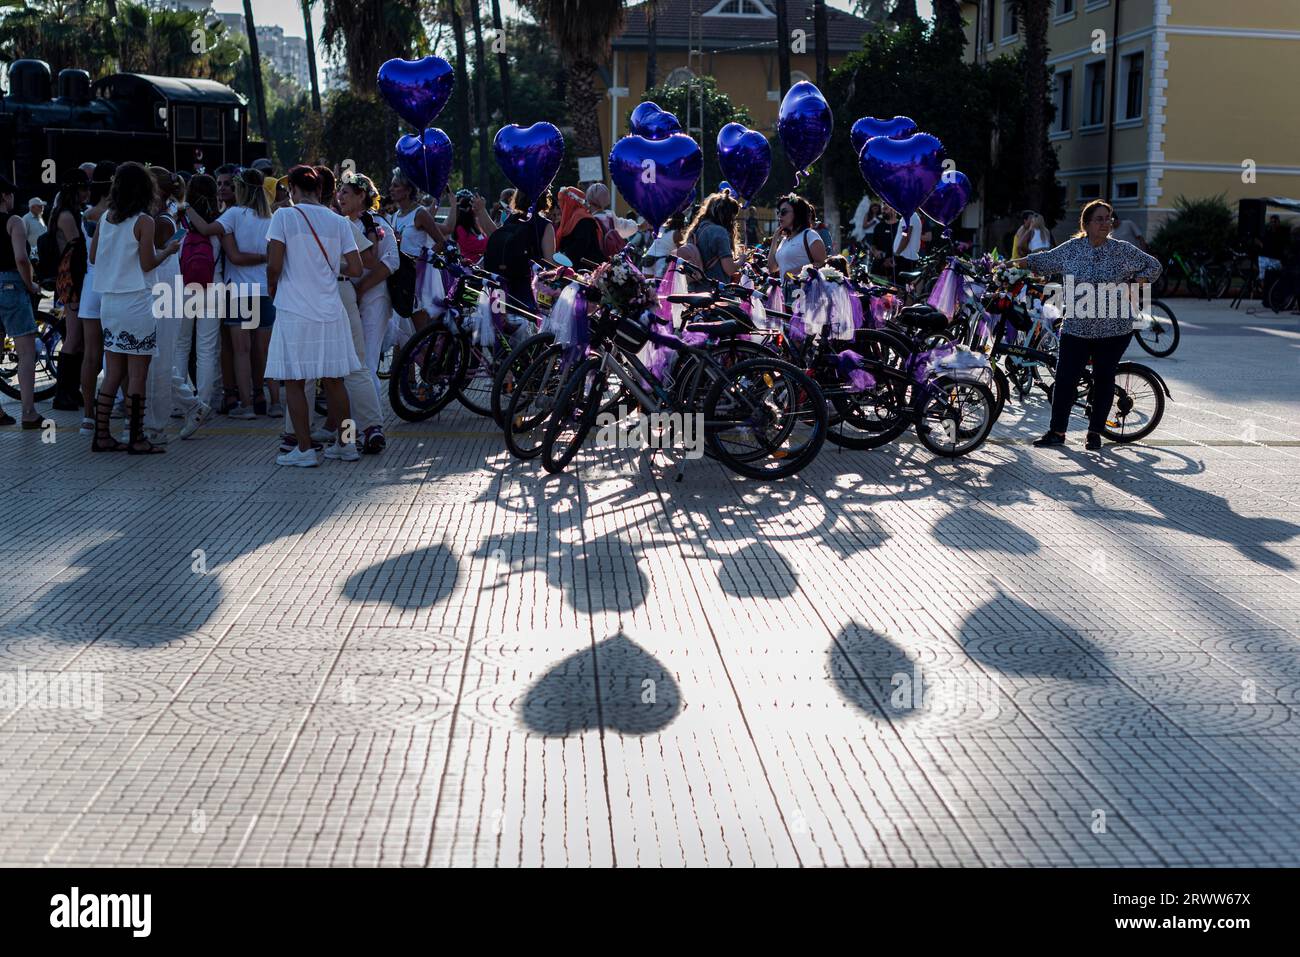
[[718, 208], [202, 195], [802, 209], [101, 181], [68, 197], [133, 192]]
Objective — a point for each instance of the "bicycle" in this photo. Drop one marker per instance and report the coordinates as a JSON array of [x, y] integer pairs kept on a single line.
[[49, 343], [763, 418]]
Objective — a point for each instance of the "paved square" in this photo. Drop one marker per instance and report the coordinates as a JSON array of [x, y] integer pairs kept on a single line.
[[440, 656]]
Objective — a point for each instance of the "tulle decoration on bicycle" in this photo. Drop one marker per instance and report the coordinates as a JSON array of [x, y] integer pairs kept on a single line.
[[568, 320], [824, 298], [673, 283], [491, 320], [851, 367], [947, 291], [951, 360], [883, 308], [754, 307], [430, 289]]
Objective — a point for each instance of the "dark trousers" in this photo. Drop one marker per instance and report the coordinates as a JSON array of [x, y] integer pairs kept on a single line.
[[1075, 353]]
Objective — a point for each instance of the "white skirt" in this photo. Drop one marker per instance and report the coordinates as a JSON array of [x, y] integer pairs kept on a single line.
[[303, 348], [128, 323], [90, 300]]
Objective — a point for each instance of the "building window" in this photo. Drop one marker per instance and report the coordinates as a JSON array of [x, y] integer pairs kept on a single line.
[[1132, 73], [740, 8], [1064, 8], [1094, 93], [679, 76], [185, 123], [1126, 191], [1063, 100], [1010, 25], [1088, 191]]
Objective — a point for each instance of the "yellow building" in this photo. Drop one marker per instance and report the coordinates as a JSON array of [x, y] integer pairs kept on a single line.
[[1160, 98], [733, 41]]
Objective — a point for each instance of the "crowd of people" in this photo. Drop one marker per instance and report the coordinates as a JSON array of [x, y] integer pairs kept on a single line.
[[302, 266]]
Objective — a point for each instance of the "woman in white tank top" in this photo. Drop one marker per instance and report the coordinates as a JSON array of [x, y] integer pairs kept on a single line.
[[796, 243], [123, 253], [415, 227]]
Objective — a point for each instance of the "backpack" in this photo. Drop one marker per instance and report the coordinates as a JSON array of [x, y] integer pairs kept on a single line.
[[198, 262], [611, 243], [47, 256]]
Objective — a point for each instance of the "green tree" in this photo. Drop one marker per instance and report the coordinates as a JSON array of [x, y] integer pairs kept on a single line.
[[1033, 16], [717, 112], [583, 31], [368, 32]]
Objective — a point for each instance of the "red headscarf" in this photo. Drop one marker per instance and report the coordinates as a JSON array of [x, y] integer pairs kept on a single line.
[[573, 210]]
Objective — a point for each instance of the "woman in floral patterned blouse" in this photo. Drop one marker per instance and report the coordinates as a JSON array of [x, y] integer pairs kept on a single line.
[[1093, 260]]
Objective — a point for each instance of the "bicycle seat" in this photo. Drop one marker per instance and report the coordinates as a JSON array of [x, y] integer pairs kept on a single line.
[[721, 328], [923, 317], [909, 276], [692, 299]]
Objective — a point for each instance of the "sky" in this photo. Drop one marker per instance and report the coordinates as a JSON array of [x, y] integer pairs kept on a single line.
[[287, 14]]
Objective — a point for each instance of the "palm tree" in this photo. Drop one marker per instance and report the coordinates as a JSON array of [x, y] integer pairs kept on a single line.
[[311, 54], [1033, 16], [947, 14], [368, 32], [651, 43], [481, 110], [462, 93], [255, 64], [905, 12], [503, 61], [782, 47], [583, 30]]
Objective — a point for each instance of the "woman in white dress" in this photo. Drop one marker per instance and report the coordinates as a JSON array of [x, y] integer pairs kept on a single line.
[[358, 199], [123, 253], [307, 247]]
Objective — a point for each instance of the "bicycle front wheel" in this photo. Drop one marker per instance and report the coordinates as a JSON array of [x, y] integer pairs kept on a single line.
[[1139, 404], [425, 373], [1158, 332], [765, 419], [574, 414]]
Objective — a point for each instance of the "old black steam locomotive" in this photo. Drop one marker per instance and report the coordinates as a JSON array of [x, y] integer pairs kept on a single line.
[[183, 124]]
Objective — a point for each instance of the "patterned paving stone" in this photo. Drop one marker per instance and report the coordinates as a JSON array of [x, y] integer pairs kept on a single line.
[[440, 656]]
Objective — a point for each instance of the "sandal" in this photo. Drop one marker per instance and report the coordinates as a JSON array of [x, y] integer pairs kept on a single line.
[[139, 444], [103, 440]]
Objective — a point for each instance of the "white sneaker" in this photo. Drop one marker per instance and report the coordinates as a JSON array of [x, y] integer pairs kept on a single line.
[[87, 427], [322, 435], [345, 453], [274, 410], [197, 417], [241, 412], [119, 411], [299, 458], [178, 413], [155, 436]]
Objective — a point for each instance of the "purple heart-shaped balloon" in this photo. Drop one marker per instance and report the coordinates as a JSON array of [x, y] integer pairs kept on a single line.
[[529, 156], [949, 198], [869, 126], [902, 172], [653, 122], [416, 89], [745, 157], [426, 159], [656, 176], [804, 125]]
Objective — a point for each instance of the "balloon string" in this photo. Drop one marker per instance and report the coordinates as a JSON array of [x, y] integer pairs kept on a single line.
[[798, 174]]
